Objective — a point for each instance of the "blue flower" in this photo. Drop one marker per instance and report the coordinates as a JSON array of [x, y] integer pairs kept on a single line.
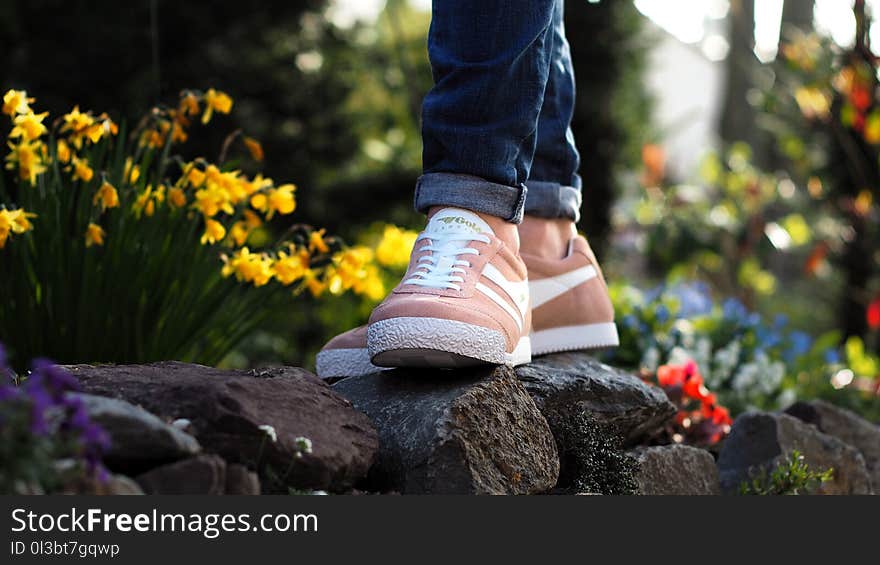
[[662, 313], [832, 356], [733, 309], [780, 321], [694, 298], [767, 338]]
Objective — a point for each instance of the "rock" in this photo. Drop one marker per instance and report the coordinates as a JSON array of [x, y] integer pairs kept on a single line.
[[204, 474], [676, 470], [118, 485], [236, 414], [139, 440], [473, 431], [761, 440], [565, 384], [111, 485], [241, 480], [847, 427]]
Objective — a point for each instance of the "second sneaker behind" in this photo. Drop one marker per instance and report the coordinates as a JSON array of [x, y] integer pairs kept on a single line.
[[463, 301], [571, 309]]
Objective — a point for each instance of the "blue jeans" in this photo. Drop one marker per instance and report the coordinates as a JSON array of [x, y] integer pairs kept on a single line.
[[496, 126]]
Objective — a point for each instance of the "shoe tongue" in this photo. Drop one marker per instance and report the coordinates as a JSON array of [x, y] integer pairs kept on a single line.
[[456, 220]]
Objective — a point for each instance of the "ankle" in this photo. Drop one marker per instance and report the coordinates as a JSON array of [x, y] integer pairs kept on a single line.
[[504, 230], [546, 237]]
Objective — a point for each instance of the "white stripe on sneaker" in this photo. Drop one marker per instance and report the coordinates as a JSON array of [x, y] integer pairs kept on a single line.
[[496, 298], [544, 290], [517, 291]]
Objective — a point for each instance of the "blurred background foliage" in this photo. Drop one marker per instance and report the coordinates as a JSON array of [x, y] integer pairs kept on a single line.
[[780, 216]]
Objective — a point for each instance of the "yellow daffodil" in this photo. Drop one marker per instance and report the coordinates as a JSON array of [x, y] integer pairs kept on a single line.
[[62, 151], [214, 232], [131, 172], [176, 197], [16, 102], [254, 147], [178, 134], [317, 243], [395, 246], [281, 199], [289, 268], [371, 285], [348, 268], [189, 103], [252, 220], [145, 203], [315, 285], [13, 222], [77, 124], [94, 235], [194, 176], [216, 101], [106, 196], [278, 199], [249, 267], [81, 169], [212, 199], [27, 156], [239, 233], [28, 126]]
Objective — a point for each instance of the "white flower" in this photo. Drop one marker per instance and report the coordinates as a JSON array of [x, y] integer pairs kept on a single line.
[[302, 445], [269, 431], [786, 398]]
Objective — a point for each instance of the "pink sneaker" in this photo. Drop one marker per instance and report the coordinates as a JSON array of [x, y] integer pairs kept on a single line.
[[346, 355], [463, 301], [571, 309]]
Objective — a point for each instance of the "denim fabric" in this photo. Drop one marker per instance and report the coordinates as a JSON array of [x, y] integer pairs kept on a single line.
[[497, 119]]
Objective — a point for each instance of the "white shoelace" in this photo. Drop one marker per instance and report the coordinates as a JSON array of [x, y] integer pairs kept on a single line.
[[441, 269]]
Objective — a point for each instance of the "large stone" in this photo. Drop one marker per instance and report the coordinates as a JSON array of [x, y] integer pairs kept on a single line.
[[760, 440], [676, 470], [139, 440], [465, 432], [566, 384], [112, 484], [204, 474], [847, 427], [241, 480], [252, 418]]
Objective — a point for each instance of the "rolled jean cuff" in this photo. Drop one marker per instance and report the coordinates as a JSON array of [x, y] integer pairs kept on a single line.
[[472, 193], [553, 200]]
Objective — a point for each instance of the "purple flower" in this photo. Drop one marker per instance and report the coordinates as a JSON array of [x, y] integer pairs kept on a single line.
[[56, 380], [8, 392], [41, 402]]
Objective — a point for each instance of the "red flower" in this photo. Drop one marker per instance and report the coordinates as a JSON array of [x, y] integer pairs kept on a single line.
[[873, 313], [859, 123], [860, 98], [693, 386], [721, 416], [670, 375]]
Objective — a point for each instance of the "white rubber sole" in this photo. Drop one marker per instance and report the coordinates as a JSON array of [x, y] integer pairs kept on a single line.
[[339, 363], [573, 338], [439, 343]]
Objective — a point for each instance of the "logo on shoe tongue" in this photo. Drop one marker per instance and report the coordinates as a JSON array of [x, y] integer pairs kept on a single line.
[[449, 220]]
